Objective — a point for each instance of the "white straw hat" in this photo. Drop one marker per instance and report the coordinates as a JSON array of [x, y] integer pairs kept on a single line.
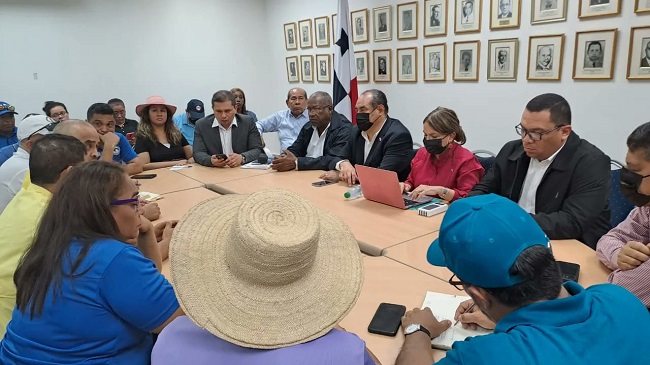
[[265, 270]]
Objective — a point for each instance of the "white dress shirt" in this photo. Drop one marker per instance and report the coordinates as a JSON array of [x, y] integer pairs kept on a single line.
[[226, 135], [12, 175], [369, 143], [536, 171], [317, 143]]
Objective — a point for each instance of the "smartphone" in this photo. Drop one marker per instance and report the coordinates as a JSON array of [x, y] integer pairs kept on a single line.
[[387, 319], [221, 156], [323, 183], [144, 176], [569, 271]]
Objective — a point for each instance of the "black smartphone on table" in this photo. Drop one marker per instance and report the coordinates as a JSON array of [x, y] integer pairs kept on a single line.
[[569, 271], [323, 183], [144, 176], [221, 156], [387, 319]]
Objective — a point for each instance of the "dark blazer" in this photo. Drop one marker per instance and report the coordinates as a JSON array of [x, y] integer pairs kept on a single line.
[[337, 136], [572, 200], [246, 139], [392, 150]]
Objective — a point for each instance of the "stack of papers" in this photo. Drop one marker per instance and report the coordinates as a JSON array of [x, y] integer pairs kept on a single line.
[[148, 197], [256, 166]]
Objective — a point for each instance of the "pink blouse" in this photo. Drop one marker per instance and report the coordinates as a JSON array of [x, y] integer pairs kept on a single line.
[[457, 168]]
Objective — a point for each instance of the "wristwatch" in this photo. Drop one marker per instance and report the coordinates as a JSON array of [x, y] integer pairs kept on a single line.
[[415, 327], [243, 159]]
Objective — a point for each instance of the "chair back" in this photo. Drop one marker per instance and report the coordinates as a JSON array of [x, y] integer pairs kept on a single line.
[[619, 206], [486, 161]]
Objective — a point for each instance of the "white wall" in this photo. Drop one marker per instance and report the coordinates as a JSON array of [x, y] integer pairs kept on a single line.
[[604, 112], [87, 51]]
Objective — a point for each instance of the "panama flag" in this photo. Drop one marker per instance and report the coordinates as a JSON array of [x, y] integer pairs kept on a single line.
[[345, 72]]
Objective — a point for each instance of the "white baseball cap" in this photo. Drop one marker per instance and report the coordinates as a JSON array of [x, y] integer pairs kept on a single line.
[[36, 124]]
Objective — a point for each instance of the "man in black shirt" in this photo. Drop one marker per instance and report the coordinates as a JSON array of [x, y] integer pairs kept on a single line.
[[123, 125]]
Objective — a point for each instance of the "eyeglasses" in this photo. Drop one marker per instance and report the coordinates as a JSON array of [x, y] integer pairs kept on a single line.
[[50, 127], [458, 284], [135, 201], [535, 136], [11, 108], [60, 114]]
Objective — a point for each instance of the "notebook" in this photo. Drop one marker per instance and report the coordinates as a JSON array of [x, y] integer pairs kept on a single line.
[[444, 307]]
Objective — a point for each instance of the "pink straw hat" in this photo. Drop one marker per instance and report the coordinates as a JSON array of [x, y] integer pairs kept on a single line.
[[154, 100]]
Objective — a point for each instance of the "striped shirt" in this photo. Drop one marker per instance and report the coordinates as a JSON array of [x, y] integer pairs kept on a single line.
[[636, 227]]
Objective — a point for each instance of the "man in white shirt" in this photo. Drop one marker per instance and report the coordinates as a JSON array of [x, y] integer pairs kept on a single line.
[[553, 174], [287, 122], [320, 140], [12, 172]]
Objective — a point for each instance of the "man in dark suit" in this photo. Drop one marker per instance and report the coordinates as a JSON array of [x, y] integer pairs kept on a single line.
[[434, 21], [562, 180], [226, 138], [320, 140], [376, 141], [505, 9]]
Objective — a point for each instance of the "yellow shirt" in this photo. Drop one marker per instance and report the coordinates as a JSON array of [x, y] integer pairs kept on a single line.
[[18, 223]]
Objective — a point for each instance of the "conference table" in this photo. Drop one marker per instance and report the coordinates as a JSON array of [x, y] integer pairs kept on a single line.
[[166, 181]]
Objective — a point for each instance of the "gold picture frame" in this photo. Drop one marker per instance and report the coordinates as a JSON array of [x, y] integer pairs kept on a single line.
[[359, 25], [407, 64], [503, 57], [545, 54], [382, 65], [467, 15], [305, 34], [322, 31], [467, 60], [505, 14], [639, 9], [434, 62], [594, 55], [361, 60], [407, 20], [598, 8], [307, 68], [293, 69], [290, 37], [638, 57], [435, 17], [324, 68], [548, 11]]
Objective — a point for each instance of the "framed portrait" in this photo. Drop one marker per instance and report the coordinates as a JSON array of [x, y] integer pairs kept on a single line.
[[545, 57], [293, 70], [468, 16], [407, 20], [407, 64], [503, 56], [307, 68], [304, 30], [594, 54], [505, 14], [435, 18], [642, 6], [638, 59], [323, 65], [322, 26], [382, 65], [594, 8], [434, 57], [359, 26], [335, 29], [290, 42], [363, 67], [466, 60], [547, 11], [383, 23]]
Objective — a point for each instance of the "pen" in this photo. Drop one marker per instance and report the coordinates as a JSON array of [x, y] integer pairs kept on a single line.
[[467, 311]]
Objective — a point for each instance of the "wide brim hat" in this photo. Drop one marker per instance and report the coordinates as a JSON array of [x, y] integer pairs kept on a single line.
[[265, 270], [154, 100]]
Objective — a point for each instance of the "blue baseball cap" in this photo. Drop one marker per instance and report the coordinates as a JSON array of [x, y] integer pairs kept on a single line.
[[6, 108], [481, 238]]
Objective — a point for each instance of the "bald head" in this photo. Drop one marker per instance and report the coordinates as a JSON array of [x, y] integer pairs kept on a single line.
[[83, 131]]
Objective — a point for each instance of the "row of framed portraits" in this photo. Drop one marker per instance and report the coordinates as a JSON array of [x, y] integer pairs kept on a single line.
[[594, 58], [504, 14]]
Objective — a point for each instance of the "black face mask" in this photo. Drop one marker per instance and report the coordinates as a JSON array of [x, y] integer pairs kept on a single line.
[[434, 146], [363, 121], [630, 183]]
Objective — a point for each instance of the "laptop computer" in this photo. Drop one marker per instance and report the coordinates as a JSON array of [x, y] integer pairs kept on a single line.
[[382, 186]]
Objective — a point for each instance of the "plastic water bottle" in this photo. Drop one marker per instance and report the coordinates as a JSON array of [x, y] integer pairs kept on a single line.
[[353, 193]]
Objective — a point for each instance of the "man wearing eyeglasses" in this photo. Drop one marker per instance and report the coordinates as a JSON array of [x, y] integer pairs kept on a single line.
[[8, 128], [553, 174], [12, 172]]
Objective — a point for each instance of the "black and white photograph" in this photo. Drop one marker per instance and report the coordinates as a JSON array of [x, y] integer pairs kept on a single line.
[[545, 57], [435, 18], [466, 60], [382, 65], [322, 25], [642, 6], [503, 57], [292, 69], [596, 8], [594, 54], [434, 57], [505, 14], [407, 64], [638, 59], [307, 68], [468, 16], [383, 25], [290, 36], [323, 63], [359, 26], [361, 60], [407, 20], [305, 35], [547, 11]]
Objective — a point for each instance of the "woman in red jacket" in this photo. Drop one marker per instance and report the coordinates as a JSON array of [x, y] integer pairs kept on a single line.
[[443, 167]]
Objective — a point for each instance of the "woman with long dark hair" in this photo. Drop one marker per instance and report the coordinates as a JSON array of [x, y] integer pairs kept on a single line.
[[240, 103], [83, 295]]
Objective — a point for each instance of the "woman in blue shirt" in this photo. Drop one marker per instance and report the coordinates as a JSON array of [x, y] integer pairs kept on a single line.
[[83, 294]]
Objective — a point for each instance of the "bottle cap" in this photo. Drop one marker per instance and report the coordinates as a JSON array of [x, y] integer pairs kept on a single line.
[[347, 195]]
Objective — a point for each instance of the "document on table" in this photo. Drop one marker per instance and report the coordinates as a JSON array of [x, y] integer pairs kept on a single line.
[[256, 166], [444, 307]]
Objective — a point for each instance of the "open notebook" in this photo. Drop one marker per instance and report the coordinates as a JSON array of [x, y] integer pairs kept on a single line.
[[444, 307]]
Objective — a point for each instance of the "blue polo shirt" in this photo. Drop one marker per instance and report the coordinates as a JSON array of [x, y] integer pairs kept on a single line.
[[103, 316], [604, 324], [7, 141], [123, 152], [8, 151], [186, 128]]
